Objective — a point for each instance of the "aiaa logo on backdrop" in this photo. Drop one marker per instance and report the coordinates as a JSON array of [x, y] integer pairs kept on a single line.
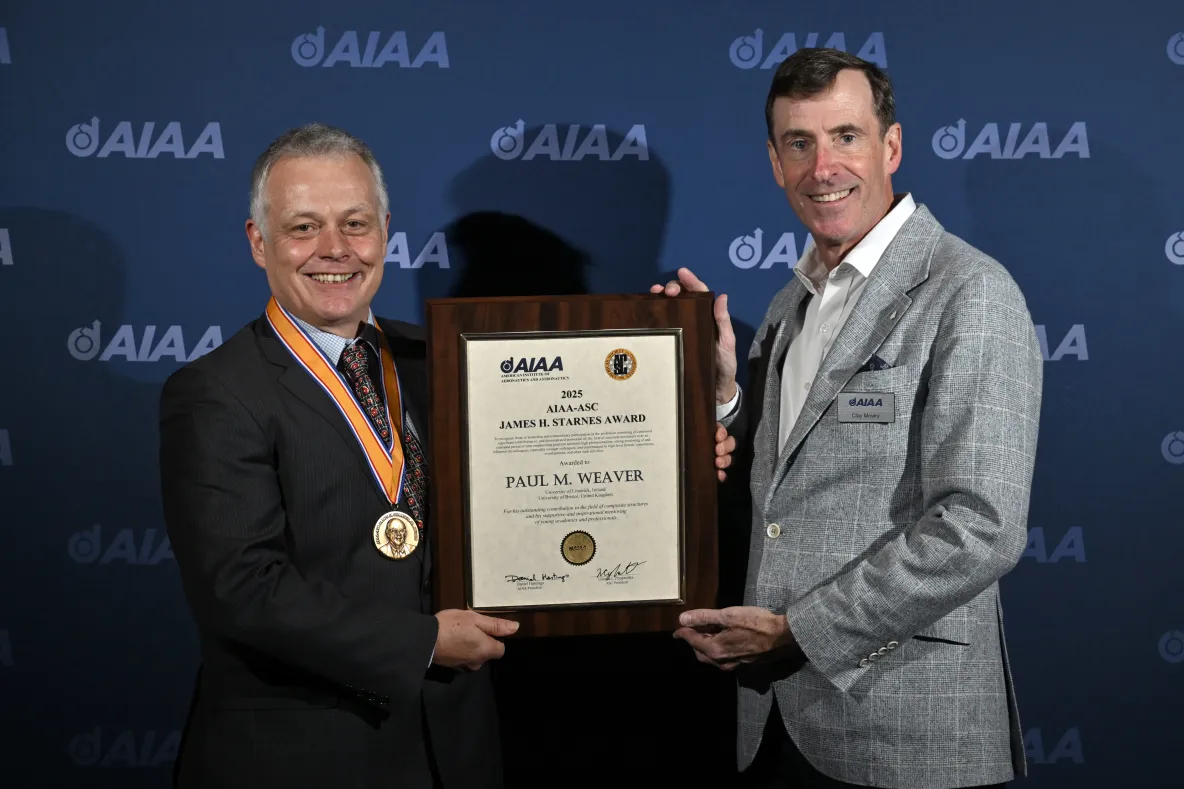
[[5, 56], [5, 448], [85, 343], [509, 142], [309, 50], [1071, 546], [949, 142], [82, 140], [125, 749], [1067, 748], [1172, 448], [746, 251], [747, 51], [1171, 646], [86, 547], [435, 251], [1073, 344], [5, 248], [1174, 248], [1176, 49], [5, 649]]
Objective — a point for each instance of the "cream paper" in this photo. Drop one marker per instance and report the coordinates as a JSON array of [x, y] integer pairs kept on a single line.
[[567, 433]]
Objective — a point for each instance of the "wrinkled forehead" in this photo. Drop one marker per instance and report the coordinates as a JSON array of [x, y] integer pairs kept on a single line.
[[848, 101]]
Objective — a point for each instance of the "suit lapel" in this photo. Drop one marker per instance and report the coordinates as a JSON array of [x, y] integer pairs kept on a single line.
[[903, 266], [300, 383]]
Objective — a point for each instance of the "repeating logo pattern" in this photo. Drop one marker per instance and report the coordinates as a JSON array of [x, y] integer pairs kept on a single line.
[[748, 51], [126, 547], [509, 142], [308, 50], [85, 343], [746, 252], [949, 142], [82, 140]]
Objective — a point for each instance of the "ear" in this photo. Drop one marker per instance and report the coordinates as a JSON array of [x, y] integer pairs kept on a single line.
[[778, 176], [892, 148], [255, 239]]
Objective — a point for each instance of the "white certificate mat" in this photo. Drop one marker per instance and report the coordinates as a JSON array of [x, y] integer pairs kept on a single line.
[[573, 459]]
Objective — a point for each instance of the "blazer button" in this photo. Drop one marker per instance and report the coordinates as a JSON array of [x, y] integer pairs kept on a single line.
[[873, 656], [882, 650], [773, 531], [893, 645], [863, 663]]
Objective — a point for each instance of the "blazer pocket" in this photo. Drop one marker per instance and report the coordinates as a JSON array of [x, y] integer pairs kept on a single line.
[[894, 379], [953, 630]]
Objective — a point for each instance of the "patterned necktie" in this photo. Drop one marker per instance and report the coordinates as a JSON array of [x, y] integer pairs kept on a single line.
[[355, 366]]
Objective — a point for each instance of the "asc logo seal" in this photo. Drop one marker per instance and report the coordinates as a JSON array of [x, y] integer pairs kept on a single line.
[[620, 364], [578, 547]]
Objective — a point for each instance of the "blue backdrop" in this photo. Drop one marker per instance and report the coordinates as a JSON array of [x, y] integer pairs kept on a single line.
[[541, 146]]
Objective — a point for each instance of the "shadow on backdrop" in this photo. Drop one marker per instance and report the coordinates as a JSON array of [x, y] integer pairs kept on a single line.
[[101, 637], [1105, 270], [639, 701]]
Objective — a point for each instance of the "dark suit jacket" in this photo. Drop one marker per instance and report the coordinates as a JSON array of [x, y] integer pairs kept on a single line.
[[315, 647]]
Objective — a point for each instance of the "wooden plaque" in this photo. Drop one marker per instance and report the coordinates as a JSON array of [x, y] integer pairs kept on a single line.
[[572, 459]]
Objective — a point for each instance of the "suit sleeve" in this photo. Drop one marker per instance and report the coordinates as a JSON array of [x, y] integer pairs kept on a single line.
[[225, 518], [978, 447]]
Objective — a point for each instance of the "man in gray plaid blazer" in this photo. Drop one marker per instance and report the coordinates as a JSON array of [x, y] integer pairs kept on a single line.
[[891, 419]]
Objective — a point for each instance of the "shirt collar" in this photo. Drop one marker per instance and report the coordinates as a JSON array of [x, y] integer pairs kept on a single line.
[[334, 344], [863, 256]]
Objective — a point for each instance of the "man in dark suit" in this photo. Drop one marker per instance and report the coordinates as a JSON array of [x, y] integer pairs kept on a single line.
[[289, 456]]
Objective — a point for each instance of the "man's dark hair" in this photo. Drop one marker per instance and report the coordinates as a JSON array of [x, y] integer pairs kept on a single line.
[[811, 71]]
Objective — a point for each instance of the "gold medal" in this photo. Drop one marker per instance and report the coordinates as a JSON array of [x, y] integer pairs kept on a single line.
[[578, 547], [396, 535]]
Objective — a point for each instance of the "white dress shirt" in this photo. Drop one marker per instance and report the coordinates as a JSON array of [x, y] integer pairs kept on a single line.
[[833, 295]]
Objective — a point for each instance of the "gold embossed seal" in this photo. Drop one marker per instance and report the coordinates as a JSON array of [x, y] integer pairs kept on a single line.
[[578, 547], [396, 535], [620, 364]]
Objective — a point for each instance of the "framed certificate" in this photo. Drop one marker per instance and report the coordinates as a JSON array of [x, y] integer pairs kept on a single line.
[[571, 451]]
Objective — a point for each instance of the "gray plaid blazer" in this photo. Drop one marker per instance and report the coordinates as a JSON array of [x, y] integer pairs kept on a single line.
[[884, 543]]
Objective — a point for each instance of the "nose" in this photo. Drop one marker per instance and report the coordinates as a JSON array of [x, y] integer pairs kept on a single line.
[[331, 243], [825, 163]]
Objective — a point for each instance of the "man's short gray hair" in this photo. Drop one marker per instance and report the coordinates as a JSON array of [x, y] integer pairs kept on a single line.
[[313, 139]]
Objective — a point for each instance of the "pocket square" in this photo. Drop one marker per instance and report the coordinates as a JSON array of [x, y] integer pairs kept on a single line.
[[874, 363]]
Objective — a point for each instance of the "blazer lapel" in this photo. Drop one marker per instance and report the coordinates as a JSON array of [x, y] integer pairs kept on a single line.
[[903, 266], [765, 439], [300, 383]]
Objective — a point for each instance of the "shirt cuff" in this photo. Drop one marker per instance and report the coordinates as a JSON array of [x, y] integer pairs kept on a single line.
[[724, 411]]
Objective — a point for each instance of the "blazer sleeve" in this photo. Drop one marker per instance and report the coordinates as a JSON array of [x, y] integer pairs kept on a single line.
[[978, 448], [225, 518]]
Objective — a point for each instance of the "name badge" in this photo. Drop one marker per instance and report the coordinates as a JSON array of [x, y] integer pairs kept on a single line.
[[874, 407]]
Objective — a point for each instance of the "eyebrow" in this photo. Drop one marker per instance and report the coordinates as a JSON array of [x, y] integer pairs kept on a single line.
[[843, 128], [353, 209]]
